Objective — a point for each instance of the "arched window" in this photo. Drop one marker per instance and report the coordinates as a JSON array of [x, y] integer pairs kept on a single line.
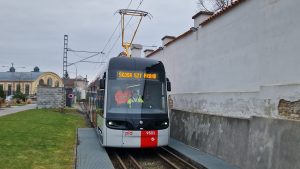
[[41, 82], [57, 84], [9, 89], [49, 82], [27, 89]]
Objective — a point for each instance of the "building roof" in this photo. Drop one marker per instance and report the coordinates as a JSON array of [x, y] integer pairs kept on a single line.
[[69, 82], [19, 76]]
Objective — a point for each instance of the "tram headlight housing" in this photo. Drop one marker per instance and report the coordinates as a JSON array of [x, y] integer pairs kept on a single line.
[[111, 123], [162, 124], [116, 124]]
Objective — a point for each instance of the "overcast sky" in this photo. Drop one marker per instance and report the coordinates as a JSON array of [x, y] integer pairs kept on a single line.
[[31, 31]]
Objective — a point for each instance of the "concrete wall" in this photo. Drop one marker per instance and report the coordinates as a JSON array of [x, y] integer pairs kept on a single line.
[[250, 46], [49, 97], [267, 102], [255, 143]]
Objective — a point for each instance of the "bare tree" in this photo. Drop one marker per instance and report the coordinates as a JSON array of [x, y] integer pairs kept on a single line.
[[214, 5]]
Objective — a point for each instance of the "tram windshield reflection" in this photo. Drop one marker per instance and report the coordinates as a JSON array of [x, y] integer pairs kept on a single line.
[[136, 96]]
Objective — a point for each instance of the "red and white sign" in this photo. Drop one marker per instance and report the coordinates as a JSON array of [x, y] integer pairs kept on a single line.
[[149, 138], [71, 96], [128, 133]]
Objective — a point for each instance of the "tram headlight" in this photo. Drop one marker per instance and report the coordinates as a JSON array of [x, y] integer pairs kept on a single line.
[[110, 123], [164, 123], [115, 124]]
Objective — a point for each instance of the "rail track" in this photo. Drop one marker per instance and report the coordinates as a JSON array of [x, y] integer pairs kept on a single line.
[[160, 158]]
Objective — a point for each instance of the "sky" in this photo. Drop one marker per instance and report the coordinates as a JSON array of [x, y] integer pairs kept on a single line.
[[31, 31]]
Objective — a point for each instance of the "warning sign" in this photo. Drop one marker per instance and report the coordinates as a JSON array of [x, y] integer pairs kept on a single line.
[[70, 96]]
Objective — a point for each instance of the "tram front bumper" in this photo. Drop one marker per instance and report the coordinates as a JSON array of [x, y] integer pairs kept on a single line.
[[137, 139]]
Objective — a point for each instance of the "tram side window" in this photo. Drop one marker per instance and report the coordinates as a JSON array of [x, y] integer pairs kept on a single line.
[[101, 99]]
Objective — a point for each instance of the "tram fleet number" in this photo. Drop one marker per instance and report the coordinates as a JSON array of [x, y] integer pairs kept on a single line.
[[137, 75]]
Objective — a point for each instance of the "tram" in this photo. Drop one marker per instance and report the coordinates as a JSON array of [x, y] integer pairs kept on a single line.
[[129, 107]]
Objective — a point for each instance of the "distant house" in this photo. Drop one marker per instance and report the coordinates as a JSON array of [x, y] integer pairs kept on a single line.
[[78, 86], [79, 83], [27, 82]]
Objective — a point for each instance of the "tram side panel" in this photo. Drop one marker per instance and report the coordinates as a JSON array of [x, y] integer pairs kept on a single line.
[[100, 120]]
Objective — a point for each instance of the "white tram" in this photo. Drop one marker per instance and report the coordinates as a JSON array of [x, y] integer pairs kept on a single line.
[[129, 107]]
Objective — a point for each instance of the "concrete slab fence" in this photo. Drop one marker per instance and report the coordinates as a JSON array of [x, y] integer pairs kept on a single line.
[[249, 143]]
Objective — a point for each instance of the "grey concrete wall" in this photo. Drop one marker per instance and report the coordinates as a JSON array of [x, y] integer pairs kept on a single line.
[[49, 97], [267, 102], [254, 143], [273, 144]]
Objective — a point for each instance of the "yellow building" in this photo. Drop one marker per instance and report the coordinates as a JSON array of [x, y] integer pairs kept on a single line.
[[27, 82]]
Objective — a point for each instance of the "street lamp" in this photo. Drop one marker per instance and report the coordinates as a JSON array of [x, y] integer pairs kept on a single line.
[[76, 90]]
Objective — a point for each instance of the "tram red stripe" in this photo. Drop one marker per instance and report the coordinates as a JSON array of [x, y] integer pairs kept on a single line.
[[149, 138]]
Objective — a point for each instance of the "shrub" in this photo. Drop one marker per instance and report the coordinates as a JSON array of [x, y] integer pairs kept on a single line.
[[19, 96], [19, 101]]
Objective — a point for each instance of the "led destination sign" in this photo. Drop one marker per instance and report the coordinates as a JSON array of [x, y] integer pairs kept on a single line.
[[136, 75]]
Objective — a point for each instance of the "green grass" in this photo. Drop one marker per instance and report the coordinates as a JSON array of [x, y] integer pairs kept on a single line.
[[38, 139]]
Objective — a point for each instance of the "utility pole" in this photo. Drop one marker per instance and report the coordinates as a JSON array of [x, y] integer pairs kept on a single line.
[[65, 70], [66, 65], [65, 57]]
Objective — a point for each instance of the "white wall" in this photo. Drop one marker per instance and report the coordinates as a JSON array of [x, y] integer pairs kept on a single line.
[[255, 44]]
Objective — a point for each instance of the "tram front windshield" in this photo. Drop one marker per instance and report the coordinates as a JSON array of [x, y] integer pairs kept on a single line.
[[136, 96]]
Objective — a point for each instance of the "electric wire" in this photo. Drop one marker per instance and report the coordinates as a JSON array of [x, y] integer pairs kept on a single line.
[[107, 55], [81, 51], [101, 59], [83, 59], [97, 53], [115, 30]]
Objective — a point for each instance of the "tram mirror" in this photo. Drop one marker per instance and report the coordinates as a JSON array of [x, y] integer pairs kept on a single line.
[[102, 83], [168, 85]]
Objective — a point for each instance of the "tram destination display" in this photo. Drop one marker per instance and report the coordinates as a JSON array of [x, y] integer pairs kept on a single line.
[[136, 75]]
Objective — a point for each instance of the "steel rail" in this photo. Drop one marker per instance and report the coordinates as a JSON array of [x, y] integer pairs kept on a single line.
[[180, 159], [135, 162], [168, 161], [120, 160]]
